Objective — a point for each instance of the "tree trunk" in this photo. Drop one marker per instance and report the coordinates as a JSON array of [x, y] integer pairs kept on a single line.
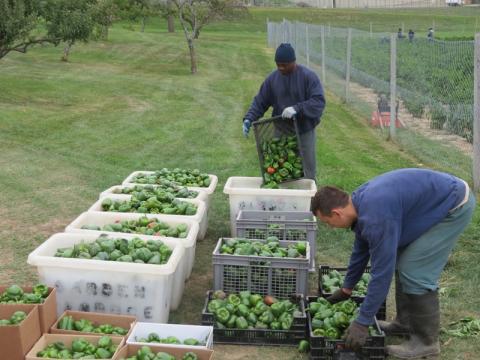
[[196, 34], [105, 32], [193, 56], [66, 51], [171, 25], [144, 20]]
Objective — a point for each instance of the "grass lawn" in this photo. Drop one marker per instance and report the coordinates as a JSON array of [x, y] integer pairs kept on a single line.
[[70, 130]]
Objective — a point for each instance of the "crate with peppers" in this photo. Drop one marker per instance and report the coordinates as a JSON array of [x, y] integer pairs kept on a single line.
[[80, 348], [245, 318], [87, 326], [327, 325]]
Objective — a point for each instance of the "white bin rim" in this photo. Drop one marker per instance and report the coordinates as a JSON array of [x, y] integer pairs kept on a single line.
[[44, 256], [202, 194], [210, 189], [238, 185]]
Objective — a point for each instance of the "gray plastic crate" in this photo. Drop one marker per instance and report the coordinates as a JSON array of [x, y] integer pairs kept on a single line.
[[286, 225], [279, 277]]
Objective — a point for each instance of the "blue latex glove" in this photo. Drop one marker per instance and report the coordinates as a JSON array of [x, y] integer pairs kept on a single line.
[[246, 127]]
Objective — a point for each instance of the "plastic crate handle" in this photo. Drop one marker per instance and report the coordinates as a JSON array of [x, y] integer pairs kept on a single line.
[[277, 218]]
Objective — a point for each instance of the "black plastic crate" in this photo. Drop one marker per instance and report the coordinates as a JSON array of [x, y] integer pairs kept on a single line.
[[276, 129], [326, 270], [322, 348], [259, 336]]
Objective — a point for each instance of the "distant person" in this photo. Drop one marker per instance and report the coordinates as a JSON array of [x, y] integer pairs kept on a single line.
[[411, 34], [292, 91], [383, 104], [400, 34], [430, 34]]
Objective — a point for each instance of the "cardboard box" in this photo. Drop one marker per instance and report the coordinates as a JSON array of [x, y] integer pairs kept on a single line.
[[124, 321], [130, 350], [47, 339], [47, 310], [17, 340]]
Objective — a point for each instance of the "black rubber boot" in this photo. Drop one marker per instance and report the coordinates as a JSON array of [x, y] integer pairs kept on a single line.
[[424, 324], [400, 325]]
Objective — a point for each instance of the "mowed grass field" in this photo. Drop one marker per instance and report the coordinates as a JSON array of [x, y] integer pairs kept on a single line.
[[70, 130]]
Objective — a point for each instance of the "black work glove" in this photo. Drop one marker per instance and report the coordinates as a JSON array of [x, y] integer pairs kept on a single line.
[[337, 296], [356, 336]]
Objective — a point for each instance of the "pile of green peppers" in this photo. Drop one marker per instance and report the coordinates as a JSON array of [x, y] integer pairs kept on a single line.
[[15, 319], [15, 295], [141, 202], [330, 320], [107, 249], [250, 311], [80, 349], [144, 226], [154, 338], [158, 190], [278, 231], [280, 161], [334, 280], [145, 353], [185, 177], [83, 325], [269, 248]]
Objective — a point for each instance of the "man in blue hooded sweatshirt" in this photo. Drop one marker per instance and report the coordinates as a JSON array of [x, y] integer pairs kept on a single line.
[[292, 90], [406, 222]]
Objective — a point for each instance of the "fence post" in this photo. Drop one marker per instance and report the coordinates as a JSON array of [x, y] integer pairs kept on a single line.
[[476, 117], [347, 70], [324, 80], [284, 30], [307, 48], [393, 84]]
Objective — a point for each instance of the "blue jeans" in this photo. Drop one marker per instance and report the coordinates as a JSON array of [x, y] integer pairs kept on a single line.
[[420, 264]]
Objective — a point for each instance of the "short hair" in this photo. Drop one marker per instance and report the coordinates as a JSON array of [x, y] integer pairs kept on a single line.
[[328, 198]]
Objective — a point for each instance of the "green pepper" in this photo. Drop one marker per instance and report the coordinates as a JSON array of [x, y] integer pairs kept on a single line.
[[314, 307], [102, 353], [64, 354], [277, 308], [41, 290], [241, 323], [316, 324], [348, 307], [191, 342], [267, 317], [341, 320], [79, 325], [105, 342], [304, 346], [252, 318], [231, 323], [214, 304], [14, 292], [243, 310], [332, 333], [260, 325], [319, 332], [4, 322], [260, 308], [275, 325], [79, 345], [323, 314], [255, 299], [222, 315], [189, 356], [66, 323]]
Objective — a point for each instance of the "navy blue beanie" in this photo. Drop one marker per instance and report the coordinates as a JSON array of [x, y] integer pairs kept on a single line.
[[285, 54]]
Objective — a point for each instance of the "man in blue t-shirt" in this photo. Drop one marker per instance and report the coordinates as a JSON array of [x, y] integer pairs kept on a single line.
[[293, 91], [406, 222]]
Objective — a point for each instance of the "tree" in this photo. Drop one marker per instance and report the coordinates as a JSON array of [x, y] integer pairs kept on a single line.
[[195, 14], [134, 10], [103, 14], [69, 21], [19, 20]]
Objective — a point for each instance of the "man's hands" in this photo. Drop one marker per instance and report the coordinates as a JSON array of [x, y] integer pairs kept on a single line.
[[356, 336], [289, 112], [246, 126], [339, 295]]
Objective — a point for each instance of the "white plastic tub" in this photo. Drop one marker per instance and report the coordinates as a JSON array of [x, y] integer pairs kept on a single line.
[[202, 195], [245, 193], [142, 290], [104, 218], [203, 334], [209, 190], [200, 216]]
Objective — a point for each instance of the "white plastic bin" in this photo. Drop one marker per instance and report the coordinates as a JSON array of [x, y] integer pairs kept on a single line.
[[245, 193], [104, 218], [142, 290], [200, 216], [209, 190], [203, 334], [202, 195]]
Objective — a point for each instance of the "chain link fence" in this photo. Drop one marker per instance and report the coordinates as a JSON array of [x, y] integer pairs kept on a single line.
[[425, 86], [350, 4]]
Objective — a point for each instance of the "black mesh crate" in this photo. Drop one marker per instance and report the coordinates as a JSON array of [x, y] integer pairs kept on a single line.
[[285, 225], [279, 137], [322, 348], [279, 277], [326, 270], [259, 336]]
